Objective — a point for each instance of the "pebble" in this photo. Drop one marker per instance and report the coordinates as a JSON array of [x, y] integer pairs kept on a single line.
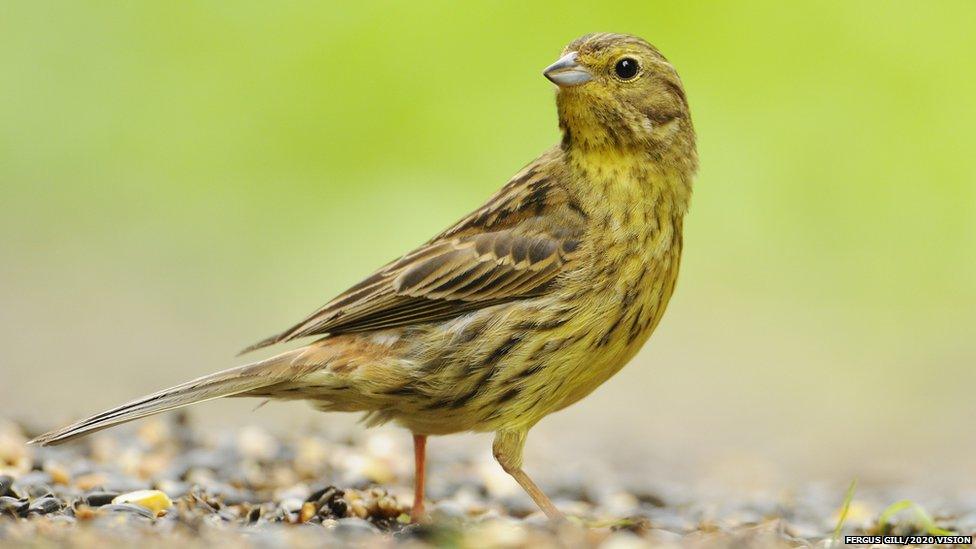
[[501, 533], [33, 480], [447, 511], [84, 512], [90, 481], [155, 486], [256, 443], [355, 526], [129, 508], [292, 505], [174, 488], [624, 540], [659, 537], [14, 457], [58, 473]]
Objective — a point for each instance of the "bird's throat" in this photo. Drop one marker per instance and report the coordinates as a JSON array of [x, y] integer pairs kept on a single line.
[[618, 183]]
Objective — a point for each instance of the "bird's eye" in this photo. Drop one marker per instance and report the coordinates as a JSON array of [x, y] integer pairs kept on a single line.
[[626, 68]]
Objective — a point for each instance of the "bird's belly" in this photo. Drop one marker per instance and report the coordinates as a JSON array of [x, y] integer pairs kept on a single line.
[[537, 357], [623, 318]]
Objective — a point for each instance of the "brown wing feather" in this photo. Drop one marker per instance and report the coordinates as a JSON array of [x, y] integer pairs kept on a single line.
[[513, 247]]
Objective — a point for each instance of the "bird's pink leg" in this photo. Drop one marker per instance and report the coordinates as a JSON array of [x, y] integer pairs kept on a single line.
[[419, 457]]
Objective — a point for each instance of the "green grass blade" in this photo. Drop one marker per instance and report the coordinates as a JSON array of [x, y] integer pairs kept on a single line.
[[930, 527], [891, 511], [924, 520], [844, 509]]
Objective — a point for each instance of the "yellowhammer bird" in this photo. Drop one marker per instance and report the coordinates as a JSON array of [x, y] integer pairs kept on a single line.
[[524, 306]]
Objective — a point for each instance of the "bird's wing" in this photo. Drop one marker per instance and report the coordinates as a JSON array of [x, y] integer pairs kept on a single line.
[[499, 253], [442, 280]]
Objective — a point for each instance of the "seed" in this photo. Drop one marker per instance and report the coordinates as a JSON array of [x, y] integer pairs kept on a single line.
[[358, 509], [307, 512], [337, 508], [13, 506], [388, 507], [44, 506], [254, 514], [97, 499], [154, 500]]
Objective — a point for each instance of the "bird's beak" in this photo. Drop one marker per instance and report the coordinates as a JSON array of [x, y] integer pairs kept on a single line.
[[567, 72]]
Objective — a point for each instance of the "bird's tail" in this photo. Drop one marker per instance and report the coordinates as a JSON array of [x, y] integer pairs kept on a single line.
[[234, 381]]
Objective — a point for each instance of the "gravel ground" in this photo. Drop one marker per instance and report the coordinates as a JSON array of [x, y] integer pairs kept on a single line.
[[248, 487]]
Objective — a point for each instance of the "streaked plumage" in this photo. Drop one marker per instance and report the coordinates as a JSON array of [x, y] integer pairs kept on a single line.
[[525, 305]]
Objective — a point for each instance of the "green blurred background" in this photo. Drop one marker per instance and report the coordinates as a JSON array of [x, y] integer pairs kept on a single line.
[[180, 179]]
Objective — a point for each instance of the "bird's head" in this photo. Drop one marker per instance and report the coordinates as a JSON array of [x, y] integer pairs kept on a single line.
[[618, 91]]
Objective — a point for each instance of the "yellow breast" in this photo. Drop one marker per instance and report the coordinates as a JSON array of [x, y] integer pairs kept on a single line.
[[635, 248]]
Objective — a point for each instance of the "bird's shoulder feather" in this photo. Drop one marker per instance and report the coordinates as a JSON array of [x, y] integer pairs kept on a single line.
[[512, 247]]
